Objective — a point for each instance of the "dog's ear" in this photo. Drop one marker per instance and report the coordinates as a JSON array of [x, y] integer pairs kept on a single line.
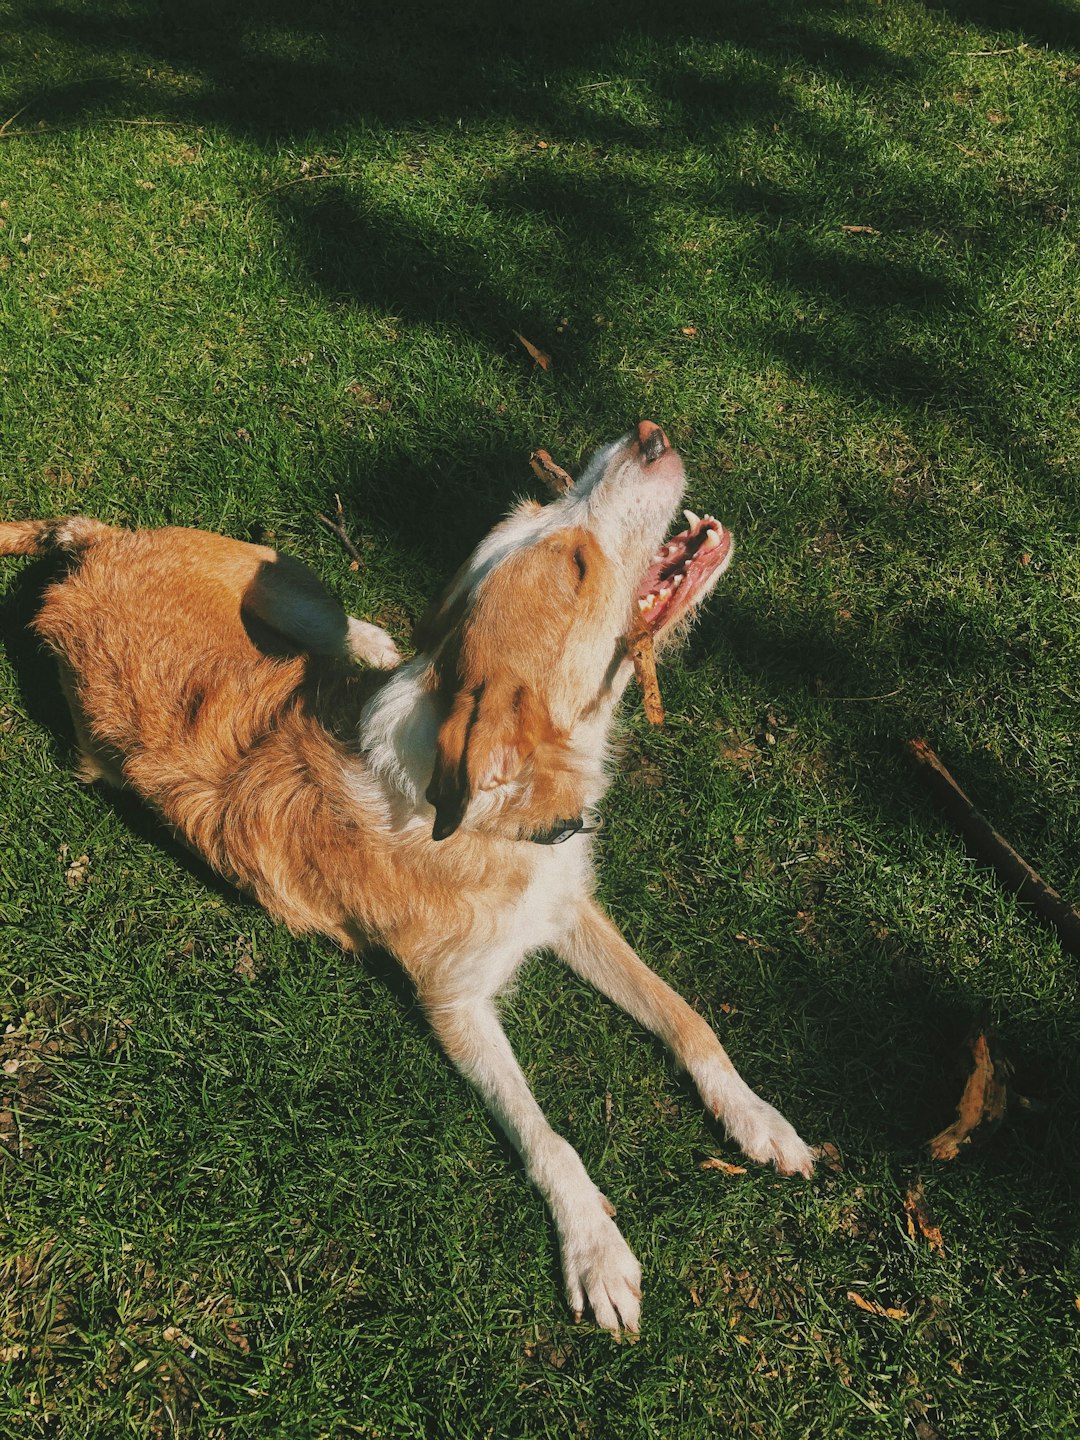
[[483, 743]]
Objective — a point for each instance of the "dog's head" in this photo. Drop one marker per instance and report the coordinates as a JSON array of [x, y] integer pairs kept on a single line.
[[528, 650]]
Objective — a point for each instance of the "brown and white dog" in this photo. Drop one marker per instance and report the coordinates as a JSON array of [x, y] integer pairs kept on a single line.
[[440, 808]]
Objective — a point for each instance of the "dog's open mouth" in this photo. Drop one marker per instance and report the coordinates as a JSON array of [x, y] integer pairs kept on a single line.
[[683, 571]]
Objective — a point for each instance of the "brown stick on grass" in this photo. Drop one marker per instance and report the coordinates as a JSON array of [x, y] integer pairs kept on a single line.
[[639, 642], [988, 845], [338, 528]]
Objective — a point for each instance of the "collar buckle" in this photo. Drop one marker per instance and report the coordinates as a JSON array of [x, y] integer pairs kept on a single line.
[[587, 823]]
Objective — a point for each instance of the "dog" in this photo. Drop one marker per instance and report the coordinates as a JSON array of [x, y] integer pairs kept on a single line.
[[440, 807]]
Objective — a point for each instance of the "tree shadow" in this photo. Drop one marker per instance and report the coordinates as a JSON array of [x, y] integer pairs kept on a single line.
[[1044, 22]]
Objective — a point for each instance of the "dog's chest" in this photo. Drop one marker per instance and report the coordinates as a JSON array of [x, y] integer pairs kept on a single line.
[[538, 917], [560, 877]]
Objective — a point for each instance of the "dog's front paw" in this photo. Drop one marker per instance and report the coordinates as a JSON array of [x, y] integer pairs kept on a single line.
[[372, 645], [767, 1137], [601, 1269], [757, 1127]]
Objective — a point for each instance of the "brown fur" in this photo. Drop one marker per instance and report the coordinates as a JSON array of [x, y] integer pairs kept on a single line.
[[241, 749]]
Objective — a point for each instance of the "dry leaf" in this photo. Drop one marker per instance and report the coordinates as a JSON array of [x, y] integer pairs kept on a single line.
[[75, 874], [829, 1156], [873, 1308], [715, 1163], [860, 229], [920, 1219], [689, 329], [544, 361], [996, 119], [982, 1103], [244, 968]]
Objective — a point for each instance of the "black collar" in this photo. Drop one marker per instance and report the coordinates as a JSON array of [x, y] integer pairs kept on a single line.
[[563, 829]]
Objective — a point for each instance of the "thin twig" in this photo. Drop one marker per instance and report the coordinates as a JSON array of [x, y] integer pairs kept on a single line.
[[988, 845], [338, 527], [299, 180], [866, 699], [11, 120], [1009, 50], [6, 134]]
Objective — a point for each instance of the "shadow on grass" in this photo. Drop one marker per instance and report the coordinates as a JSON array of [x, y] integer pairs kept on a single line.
[[284, 70]]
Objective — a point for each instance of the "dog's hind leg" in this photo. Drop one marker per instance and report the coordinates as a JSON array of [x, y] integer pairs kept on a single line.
[[96, 761], [599, 954], [598, 1266]]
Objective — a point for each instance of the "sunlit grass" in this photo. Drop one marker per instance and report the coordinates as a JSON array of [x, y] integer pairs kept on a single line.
[[251, 259]]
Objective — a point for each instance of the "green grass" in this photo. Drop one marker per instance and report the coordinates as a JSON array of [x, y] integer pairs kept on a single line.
[[253, 256]]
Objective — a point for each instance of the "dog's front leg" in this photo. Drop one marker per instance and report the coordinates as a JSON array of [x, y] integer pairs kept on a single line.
[[599, 954], [598, 1265]]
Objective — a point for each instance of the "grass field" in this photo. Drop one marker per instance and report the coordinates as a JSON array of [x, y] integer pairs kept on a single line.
[[253, 256]]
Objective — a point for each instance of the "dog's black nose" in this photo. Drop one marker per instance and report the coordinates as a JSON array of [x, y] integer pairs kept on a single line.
[[652, 440]]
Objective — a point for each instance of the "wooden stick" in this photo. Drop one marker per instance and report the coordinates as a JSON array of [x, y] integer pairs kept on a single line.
[[640, 646], [988, 845], [545, 469]]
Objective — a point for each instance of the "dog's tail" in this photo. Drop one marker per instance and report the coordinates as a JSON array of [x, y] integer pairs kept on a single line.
[[66, 536]]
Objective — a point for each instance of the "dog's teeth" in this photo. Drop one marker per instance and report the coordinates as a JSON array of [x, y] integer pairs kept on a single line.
[[691, 519], [643, 604], [664, 593], [712, 539], [676, 581]]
